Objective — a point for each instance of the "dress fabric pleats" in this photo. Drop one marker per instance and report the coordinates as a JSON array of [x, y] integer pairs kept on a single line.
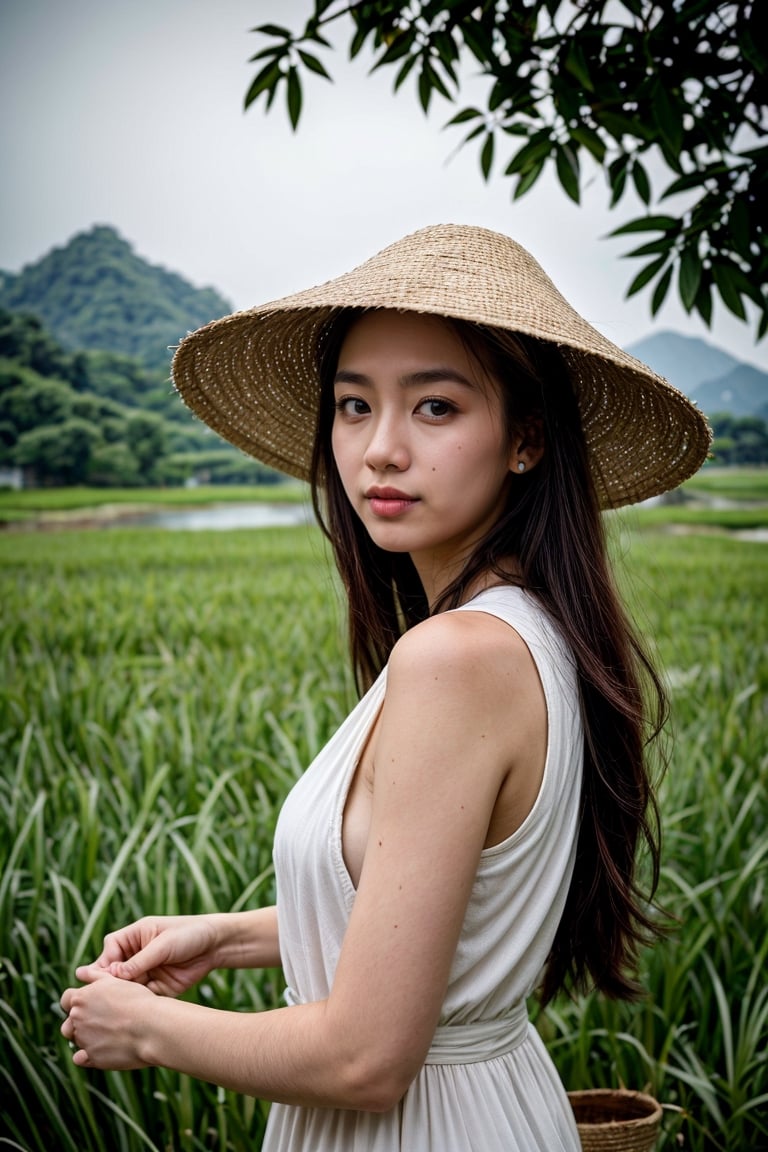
[[488, 1084]]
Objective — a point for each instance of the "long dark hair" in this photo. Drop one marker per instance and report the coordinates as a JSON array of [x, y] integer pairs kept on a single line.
[[553, 526]]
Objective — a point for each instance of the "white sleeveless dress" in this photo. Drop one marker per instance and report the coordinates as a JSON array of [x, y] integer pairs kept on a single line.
[[488, 1084]]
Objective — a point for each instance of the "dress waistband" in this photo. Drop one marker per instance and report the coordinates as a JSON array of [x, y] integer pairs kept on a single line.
[[469, 1043], [482, 1040]]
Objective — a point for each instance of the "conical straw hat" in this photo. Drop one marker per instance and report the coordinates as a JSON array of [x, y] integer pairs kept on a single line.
[[253, 376]]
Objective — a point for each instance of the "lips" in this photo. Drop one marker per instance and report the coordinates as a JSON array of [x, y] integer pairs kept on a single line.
[[389, 502], [387, 494]]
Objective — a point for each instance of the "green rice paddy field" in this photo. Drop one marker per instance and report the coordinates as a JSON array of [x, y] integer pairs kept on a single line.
[[161, 691]]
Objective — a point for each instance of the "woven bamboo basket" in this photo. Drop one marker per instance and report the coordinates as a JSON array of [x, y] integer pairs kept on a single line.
[[616, 1120]]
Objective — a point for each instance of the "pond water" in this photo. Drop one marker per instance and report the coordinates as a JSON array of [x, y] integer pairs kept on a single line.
[[264, 515], [226, 516]]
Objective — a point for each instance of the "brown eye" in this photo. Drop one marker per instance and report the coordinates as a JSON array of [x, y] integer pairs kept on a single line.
[[351, 406], [436, 408]]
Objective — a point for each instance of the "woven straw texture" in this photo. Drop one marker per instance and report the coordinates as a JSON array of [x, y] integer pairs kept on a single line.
[[615, 1120], [252, 376]]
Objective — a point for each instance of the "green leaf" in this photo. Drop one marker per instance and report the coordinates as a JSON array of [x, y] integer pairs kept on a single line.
[[667, 118], [618, 167], [267, 79], [359, 38], [576, 64], [739, 227], [617, 178], [535, 150], [647, 274], [447, 50], [566, 98], [660, 291], [486, 155], [742, 283], [313, 64], [703, 301], [685, 183], [619, 126], [567, 165], [316, 38], [706, 214], [397, 49], [516, 129], [436, 80], [724, 282], [464, 115], [497, 96], [478, 42], [477, 131], [641, 182], [404, 72], [274, 30], [648, 224], [294, 97], [589, 140], [528, 179], [671, 156], [654, 248], [425, 86], [689, 277], [618, 184], [274, 52]]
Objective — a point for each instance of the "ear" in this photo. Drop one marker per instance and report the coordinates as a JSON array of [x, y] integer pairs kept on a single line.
[[527, 447]]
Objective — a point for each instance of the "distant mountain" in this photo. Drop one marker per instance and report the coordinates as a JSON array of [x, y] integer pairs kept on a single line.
[[743, 392], [717, 381], [96, 293]]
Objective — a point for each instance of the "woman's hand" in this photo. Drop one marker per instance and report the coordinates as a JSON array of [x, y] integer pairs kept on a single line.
[[104, 1021], [168, 954]]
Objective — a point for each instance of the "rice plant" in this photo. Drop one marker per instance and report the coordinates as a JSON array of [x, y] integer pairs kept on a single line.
[[699, 1040], [161, 692]]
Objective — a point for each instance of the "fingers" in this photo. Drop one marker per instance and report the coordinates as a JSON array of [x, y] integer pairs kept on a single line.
[[138, 966], [68, 1030], [89, 973], [118, 948], [113, 948], [79, 1055], [68, 1027], [122, 944], [71, 996]]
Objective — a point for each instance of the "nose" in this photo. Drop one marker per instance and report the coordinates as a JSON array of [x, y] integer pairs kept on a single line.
[[387, 447]]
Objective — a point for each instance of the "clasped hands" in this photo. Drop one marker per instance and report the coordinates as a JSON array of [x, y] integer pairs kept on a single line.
[[107, 1016]]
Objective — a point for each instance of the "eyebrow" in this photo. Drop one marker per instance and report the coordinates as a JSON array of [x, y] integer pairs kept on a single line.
[[410, 380]]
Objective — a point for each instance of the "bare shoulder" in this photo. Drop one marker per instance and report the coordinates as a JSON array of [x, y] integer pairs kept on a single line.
[[470, 650]]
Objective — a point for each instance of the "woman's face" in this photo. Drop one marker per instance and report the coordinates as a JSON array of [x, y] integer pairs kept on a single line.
[[419, 439]]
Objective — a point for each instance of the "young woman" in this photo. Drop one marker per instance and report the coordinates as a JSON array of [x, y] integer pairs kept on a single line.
[[470, 833]]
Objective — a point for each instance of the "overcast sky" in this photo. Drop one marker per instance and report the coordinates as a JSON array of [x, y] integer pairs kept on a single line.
[[130, 114]]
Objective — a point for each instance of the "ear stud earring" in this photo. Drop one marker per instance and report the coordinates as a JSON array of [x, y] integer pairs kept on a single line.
[[521, 466]]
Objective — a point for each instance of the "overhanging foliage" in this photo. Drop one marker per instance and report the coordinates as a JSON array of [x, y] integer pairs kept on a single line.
[[624, 84]]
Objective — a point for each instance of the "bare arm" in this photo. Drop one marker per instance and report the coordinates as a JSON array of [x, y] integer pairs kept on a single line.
[[169, 954], [446, 741]]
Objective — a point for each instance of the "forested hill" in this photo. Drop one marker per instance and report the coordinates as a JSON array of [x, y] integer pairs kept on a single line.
[[96, 293], [100, 418]]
